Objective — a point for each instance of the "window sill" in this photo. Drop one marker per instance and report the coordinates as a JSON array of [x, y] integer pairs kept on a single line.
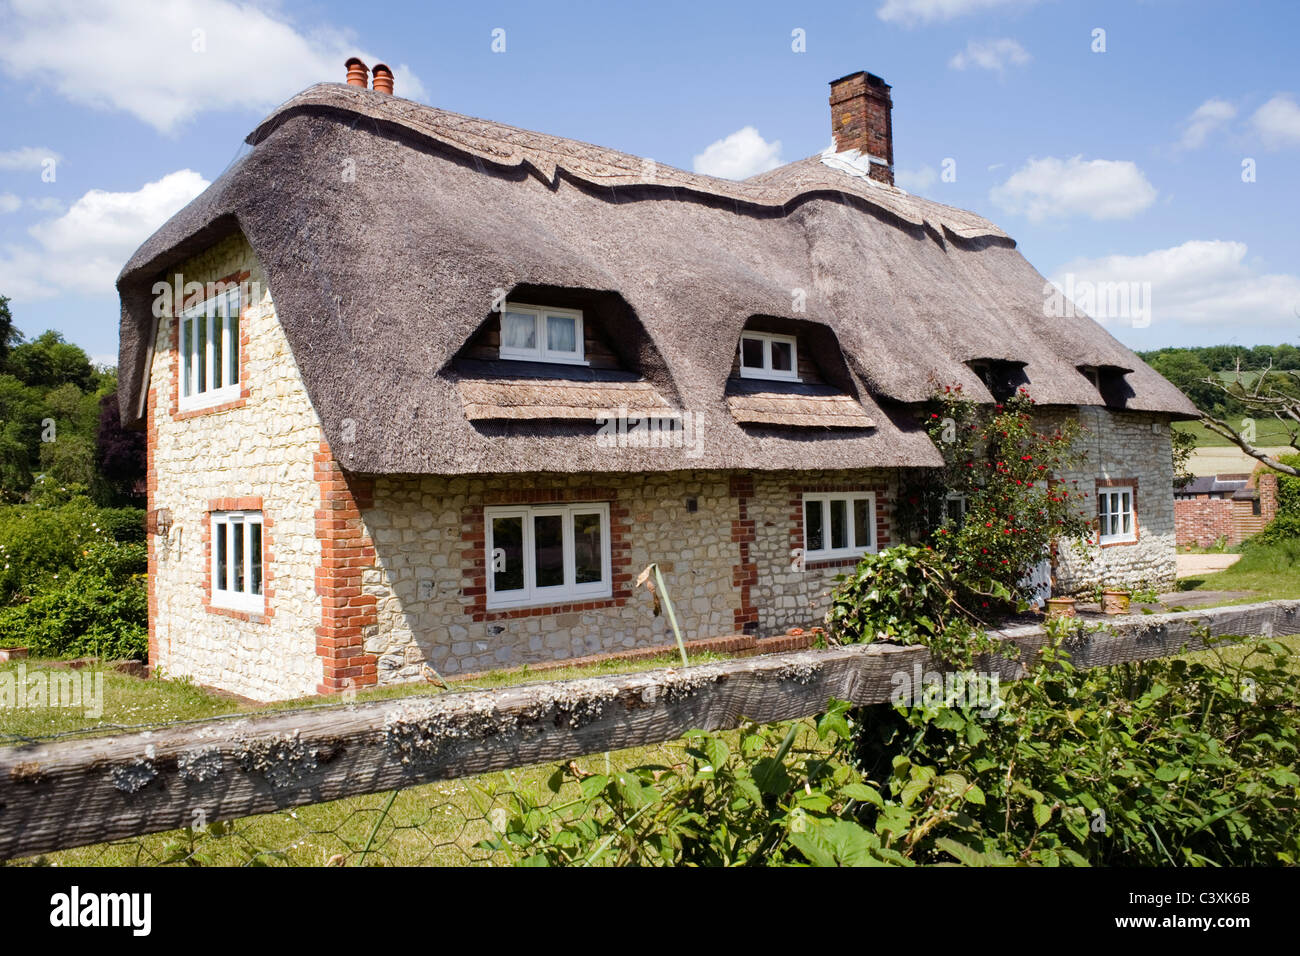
[[757, 376], [556, 601], [541, 359], [1110, 542]]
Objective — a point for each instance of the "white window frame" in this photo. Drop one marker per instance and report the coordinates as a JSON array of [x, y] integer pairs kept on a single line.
[[223, 579], [566, 593], [215, 366], [1104, 494], [767, 372], [542, 353], [962, 504], [854, 549]]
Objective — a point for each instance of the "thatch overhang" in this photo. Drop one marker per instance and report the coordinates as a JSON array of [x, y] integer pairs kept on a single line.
[[380, 279]]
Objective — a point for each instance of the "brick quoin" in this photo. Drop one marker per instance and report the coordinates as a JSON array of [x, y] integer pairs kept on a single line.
[[744, 575], [345, 552], [151, 494]]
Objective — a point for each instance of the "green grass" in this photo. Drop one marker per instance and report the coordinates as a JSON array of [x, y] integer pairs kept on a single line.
[[1269, 433], [131, 702], [1270, 572]]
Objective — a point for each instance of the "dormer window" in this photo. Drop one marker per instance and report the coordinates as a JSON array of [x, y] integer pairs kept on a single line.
[[532, 333], [769, 355]]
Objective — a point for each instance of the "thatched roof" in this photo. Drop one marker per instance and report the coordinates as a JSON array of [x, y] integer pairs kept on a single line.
[[380, 280]]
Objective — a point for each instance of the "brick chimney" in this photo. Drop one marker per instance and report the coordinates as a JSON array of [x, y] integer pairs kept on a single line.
[[861, 119]]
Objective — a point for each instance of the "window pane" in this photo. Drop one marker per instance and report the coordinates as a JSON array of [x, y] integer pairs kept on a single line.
[[955, 508], [782, 357], [237, 555], [187, 359], [201, 352], [218, 350], [518, 331], [548, 550], [839, 524], [232, 343], [588, 565], [562, 333], [508, 553], [220, 582], [751, 353], [862, 523], [812, 526], [255, 557]]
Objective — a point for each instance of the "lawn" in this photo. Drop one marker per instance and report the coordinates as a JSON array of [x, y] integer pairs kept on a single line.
[[1270, 572]]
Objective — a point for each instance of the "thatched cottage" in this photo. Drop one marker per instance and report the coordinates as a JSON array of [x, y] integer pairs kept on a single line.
[[425, 389]]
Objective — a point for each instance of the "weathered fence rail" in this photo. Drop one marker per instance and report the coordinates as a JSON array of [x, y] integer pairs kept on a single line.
[[67, 794]]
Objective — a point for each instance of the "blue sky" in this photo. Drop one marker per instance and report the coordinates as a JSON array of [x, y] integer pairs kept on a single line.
[[1123, 165]]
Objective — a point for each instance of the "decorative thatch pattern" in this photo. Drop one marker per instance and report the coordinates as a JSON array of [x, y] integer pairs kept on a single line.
[[800, 411], [485, 399], [380, 277]]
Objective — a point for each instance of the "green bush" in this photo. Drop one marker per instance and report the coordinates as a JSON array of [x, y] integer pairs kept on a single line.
[[38, 542], [1283, 528], [1157, 763], [72, 580]]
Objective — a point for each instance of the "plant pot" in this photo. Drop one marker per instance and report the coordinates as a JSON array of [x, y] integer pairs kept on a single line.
[[12, 653], [1114, 601], [1061, 607]]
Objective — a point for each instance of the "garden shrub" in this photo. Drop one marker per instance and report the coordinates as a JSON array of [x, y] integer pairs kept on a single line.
[[72, 580], [1157, 763]]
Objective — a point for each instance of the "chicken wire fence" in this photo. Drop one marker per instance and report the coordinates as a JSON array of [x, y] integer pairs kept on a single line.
[[444, 823]]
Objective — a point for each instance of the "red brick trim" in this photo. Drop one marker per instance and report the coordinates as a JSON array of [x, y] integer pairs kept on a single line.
[[247, 503], [151, 494], [1137, 527], [346, 550], [473, 532], [882, 528], [173, 344], [744, 534]]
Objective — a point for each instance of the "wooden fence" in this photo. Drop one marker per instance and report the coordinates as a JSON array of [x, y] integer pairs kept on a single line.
[[77, 792]]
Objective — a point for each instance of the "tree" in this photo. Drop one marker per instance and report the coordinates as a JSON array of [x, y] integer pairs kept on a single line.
[[9, 336], [1190, 375], [119, 454], [1274, 394], [48, 362]]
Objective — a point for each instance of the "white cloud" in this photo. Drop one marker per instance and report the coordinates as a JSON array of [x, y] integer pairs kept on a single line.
[[26, 158], [1203, 282], [9, 203], [83, 250], [1208, 117], [916, 180], [164, 61], [910, 13], [742, 154], [993, 55], [1052, 188], [1278, 122]]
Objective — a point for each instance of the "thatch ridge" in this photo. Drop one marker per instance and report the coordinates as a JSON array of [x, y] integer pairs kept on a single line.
[[380, 280]]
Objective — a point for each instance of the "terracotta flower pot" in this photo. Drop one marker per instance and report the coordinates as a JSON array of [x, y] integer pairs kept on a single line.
[[1114, 601], [1061, 607]]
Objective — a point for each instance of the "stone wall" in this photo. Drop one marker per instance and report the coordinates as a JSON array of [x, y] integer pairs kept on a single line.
[[428, 579], [1129, 447], [257, 447]]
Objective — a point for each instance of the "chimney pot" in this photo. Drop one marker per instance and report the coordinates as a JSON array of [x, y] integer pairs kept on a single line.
[[383, 79], [862, 119], [358, 74]]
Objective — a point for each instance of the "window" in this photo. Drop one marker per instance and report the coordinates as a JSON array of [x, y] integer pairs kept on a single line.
[[237, 560], [768, 355], [541, 334], [1115, 513], [954, 508], [209, 351], [547, 554], [839, 525]]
